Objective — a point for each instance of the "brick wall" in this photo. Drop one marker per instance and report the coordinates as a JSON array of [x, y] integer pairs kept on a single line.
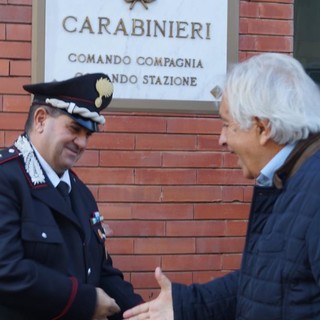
[[172, 196]]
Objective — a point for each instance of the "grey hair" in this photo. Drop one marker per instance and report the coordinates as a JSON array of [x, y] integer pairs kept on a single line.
[[274, 87]]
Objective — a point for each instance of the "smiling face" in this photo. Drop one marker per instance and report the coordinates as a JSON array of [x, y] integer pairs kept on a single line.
[[253, 146], [59, 139]]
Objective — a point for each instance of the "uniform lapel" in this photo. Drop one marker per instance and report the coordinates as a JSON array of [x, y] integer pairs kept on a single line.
[[80, 208], [52, 198]]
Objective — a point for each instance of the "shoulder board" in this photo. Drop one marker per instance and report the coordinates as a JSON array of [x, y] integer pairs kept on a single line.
[[8, 154]]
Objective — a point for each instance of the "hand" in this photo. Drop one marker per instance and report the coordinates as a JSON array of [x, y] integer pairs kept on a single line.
[[158, 309], [105, 306]]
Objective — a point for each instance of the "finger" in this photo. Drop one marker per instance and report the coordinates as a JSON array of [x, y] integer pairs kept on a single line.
[[141, 308], [163, 281]]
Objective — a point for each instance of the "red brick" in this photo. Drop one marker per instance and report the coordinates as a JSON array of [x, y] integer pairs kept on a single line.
[[148, 280], [136, 263], [232, 193], [20, 68], [230, 160], [18, 32], [248, 193], [165, 142], [221, 211], [166, 211], [192, 159], [209, 142], [220, 245], [130, 159], [110, 141], [4, 68], [164, 246], [22, 2], [195, 228], [266, 43], [13, 85], [137, 228], [191, 262], [13, 121], [102, 176], [127, 123], [275, 1], [2, 31], [276, 11], [236, 228], [90, 158], [269, 27], [11, 136], [119, 246], [15, 14], [194, 125], [165, 176], [266, 10], [15, 50], [115, 211], [2, 145], [15, 103], [129, 193], [221, 177], [191, 194]]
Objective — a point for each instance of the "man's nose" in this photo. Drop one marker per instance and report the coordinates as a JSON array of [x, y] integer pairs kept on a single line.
[[81, 141], [222, 138]]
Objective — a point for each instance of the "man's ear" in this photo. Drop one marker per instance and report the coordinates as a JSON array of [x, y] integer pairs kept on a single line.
[[40, 117], [264, 131]]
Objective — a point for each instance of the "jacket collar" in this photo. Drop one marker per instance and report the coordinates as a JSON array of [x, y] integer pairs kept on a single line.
[[303, 150], [40, 185]]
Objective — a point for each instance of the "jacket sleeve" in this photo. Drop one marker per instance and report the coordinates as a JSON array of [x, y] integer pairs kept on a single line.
[[115, 286], [213, 300]]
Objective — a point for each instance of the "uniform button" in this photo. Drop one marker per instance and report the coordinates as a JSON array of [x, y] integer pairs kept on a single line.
[[44, 235], [89, 271]]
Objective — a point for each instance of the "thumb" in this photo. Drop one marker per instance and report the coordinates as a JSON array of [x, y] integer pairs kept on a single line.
[[164, 282]]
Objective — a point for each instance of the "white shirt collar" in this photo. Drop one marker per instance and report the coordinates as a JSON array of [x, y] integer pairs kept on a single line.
[[53, 177], [265, 178]]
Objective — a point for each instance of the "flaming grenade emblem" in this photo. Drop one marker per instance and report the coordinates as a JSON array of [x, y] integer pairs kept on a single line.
[[105, 89], [143, 2]]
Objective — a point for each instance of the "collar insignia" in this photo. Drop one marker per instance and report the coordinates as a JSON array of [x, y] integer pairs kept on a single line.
[[31, 163]]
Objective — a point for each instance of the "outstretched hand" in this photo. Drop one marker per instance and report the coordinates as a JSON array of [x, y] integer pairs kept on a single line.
[[158, 309]]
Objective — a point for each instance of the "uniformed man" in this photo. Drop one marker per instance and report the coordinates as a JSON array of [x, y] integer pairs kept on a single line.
[[53, 263]]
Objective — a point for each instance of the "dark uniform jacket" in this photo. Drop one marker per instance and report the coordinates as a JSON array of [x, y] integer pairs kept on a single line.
[[279, 278], [51, 259]]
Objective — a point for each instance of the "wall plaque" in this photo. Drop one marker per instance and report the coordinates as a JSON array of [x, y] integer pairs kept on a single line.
[[161, 55]]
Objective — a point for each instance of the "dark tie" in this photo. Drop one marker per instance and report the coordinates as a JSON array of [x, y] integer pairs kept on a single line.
[[63, 188]]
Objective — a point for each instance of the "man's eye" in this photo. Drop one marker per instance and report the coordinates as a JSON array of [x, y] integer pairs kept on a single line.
[[74, 128]]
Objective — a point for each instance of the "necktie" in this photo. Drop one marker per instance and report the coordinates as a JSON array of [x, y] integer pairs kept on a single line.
[[63, 188]]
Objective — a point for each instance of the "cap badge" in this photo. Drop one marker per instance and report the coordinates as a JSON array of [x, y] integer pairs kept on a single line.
[[104, 88]]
